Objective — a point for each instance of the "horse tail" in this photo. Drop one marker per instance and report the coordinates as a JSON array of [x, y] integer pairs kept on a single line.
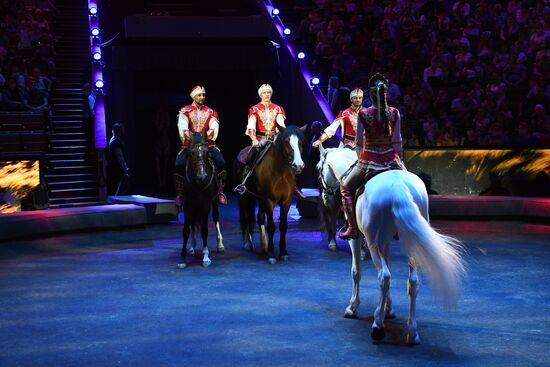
[[438, 255]]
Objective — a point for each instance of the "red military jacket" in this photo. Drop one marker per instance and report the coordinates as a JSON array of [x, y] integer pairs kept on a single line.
[[266, 119], [349, 124], [379, 147], [204, 121]]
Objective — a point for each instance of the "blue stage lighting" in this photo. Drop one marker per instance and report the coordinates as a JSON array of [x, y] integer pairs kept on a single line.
[[99, 84], [93, 10], [97, 56], [287, 32], [275, 12], [95, 32], [301, 55], [314, 81]]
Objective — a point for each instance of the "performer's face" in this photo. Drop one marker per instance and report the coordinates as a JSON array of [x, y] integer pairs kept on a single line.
[[199, 99], [266, 95], [356, 101]]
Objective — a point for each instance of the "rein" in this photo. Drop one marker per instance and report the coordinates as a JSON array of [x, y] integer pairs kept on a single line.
[[241, 188], [330, 190]]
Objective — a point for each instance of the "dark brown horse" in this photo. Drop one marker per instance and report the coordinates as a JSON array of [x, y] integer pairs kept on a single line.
[[199, 191], [273, 183]]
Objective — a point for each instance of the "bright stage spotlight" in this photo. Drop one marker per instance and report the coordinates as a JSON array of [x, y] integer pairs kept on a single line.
[[95, 32], [93, 10], [97, 56], [275, 12], [314, 82], [287, 32], [301, 55], [99, 84]]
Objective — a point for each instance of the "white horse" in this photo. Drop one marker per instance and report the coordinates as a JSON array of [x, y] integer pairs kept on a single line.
[[393, 202], [332, 166]]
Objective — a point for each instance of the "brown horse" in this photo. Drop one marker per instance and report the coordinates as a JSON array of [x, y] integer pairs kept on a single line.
[[273, 183]]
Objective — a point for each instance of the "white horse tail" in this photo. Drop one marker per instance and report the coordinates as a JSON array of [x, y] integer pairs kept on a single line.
[[438, 255]]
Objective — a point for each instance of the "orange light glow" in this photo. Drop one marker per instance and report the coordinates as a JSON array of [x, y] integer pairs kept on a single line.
[[17, 179]]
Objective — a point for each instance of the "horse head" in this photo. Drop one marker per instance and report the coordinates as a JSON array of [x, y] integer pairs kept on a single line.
[[293, 140], [199, 156]]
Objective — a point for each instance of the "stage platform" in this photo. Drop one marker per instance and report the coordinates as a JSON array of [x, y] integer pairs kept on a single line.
[[137, 210], [123, 211], [464, 207]]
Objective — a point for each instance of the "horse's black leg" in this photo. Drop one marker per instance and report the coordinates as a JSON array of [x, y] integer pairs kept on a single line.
[[270, 232], [215, 212], [216, 219], [246, 221], [185, 232], [204, 234], [283, 225], [261, 225]]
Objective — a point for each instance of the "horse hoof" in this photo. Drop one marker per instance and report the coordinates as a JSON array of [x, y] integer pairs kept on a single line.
[[272, 260], [350, 313], [207, 263], [182, 265], [377, 333], [191, 251], [283, 257], [333, 247], [221, 249], [413, 340]]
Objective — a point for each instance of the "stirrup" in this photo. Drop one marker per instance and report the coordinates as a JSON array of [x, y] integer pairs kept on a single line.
[[240, 189]]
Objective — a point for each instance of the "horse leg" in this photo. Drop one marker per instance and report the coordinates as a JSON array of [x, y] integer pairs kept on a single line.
[[204, 234], [390, 313], [331, 226], [261, 226], [270, 233], [363, 246], [283, 225], [412, 290], [193, 246], [185, 233], [351, 310], [384, 277], [245, 219], [216, 219]]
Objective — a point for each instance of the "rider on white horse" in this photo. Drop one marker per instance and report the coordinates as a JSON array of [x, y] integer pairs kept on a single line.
[[379, 148], [347, 121]]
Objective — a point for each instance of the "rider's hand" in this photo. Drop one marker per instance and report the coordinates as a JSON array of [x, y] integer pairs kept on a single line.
[[255, 142], [316, 143]]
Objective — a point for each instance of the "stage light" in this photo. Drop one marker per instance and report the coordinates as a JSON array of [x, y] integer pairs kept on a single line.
[[97, 56], [95, 32], [314, 82], [99, 84], [287, 32], [93, 10], [301, 55], [275, 12]]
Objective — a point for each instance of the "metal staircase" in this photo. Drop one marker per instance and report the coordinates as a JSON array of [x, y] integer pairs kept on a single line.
[[71, 164]]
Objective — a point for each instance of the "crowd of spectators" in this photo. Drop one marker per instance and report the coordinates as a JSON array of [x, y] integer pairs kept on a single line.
[[27, 68], [463, 73]]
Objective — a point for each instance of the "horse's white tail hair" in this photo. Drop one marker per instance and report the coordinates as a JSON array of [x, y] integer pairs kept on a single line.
[[439, 256]]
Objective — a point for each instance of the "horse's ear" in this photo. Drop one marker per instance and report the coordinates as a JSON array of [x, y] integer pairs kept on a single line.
[[304, 128], [281, 129]]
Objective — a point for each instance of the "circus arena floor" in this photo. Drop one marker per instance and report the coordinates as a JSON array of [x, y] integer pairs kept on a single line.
[[117, 298]]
